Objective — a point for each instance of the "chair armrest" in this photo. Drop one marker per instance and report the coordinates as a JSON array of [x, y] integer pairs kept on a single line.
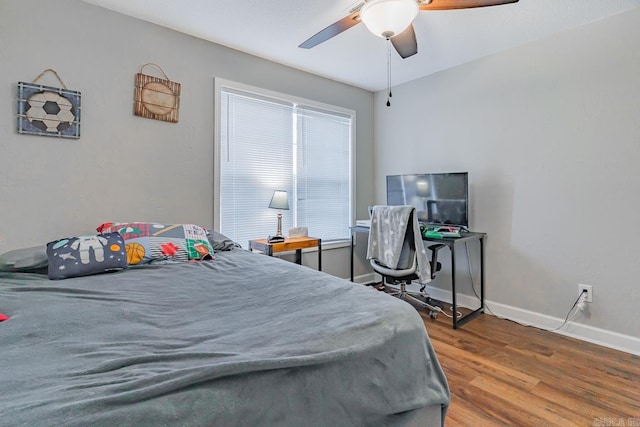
[[435, 248], [434, 258]]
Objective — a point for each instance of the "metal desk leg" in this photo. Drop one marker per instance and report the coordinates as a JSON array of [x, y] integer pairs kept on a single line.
[[299, 256], [464, 319], [452, 247], [481, 242], [352, 243], [319, 255]]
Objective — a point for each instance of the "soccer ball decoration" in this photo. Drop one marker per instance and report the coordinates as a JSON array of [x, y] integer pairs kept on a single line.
[[49, 111]]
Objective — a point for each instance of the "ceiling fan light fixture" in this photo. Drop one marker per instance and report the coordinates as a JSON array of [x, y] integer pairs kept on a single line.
[[387, 18]]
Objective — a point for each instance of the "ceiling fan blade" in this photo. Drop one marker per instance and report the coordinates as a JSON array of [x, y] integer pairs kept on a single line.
[[405, 43], [462, 4], [332, 30]]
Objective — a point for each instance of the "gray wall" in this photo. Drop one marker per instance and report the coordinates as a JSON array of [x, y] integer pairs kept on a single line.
[[126, 167], [550, 135]]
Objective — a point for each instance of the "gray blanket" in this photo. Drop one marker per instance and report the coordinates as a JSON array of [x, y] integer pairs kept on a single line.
[[244, 340], [386, 238]]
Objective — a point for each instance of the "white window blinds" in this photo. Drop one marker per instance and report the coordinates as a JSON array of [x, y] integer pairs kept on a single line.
[[323, 172], [267, 144]]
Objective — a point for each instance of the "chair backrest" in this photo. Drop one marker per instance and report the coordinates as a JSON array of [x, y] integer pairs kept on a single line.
[[408, 253], [407, 262]]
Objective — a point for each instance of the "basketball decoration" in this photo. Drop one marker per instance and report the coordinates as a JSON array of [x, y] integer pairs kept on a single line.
[[155, 97], [47, 110], [135, 253]]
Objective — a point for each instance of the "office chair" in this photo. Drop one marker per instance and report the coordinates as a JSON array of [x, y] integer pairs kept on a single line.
[[406, 270]]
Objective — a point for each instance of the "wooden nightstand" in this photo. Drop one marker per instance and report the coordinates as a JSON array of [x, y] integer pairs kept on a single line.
[[290, 244]]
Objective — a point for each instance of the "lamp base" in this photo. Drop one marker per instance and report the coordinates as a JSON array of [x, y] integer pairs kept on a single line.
[[275, 239], [279, 232]]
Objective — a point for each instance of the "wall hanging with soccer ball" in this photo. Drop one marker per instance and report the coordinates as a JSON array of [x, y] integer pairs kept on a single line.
[[156, 98], [48, 111]]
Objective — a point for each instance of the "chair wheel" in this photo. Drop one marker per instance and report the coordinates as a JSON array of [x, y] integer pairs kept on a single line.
[[433, 314]]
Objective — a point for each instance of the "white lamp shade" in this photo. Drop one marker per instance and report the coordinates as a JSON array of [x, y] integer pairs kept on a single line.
[[279, 200], [387, 18]]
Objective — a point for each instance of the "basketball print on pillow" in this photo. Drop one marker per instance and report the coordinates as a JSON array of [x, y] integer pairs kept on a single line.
[[135, 253]]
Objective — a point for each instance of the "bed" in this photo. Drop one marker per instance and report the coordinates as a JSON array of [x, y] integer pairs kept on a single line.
[[240, 340]]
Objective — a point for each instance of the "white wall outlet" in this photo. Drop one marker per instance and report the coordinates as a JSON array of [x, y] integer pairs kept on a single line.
[[589, 290]]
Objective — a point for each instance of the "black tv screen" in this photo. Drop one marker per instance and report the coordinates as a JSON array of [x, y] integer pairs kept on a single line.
[[439, 198]]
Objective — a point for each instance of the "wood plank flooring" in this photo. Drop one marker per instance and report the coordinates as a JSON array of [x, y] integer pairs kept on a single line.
[[503, 373]]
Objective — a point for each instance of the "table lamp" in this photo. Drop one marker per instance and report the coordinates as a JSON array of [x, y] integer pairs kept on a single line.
[[279, 201]]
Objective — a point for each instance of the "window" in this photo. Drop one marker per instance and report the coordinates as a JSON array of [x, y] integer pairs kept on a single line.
[[268, 142]]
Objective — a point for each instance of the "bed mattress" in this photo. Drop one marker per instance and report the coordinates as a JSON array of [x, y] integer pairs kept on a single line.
[[244, 339]]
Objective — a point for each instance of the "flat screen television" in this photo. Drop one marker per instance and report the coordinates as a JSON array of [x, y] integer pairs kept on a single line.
[[439, 198]]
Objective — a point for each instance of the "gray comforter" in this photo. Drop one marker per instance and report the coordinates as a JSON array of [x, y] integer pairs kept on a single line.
[[243, 340]]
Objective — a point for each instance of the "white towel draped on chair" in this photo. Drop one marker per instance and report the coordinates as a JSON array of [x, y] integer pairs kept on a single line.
[[386, 237]]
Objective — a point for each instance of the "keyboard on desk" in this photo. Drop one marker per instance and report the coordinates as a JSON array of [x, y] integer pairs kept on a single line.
[[429, 230]]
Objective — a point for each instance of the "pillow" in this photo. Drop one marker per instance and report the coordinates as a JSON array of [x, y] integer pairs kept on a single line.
[[220, 242], [24, 260], [147, 241], [85, 255]]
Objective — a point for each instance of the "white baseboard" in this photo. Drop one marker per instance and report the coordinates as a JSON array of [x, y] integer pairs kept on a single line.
[[599, 336], [603, 337], [617, 341]]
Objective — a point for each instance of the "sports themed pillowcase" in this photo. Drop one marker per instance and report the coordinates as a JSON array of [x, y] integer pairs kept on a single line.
[[147, 241], [85, 255]]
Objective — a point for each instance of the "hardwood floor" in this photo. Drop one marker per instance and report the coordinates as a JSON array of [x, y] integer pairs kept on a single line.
[[503, 373]]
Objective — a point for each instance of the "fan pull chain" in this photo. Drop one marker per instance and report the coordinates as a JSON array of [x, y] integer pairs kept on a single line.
[[389, 72]]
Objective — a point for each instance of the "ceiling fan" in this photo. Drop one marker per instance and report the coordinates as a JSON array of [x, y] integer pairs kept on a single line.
[[392, 20]]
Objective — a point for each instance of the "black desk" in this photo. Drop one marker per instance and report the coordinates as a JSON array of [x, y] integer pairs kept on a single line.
[[451, 243]]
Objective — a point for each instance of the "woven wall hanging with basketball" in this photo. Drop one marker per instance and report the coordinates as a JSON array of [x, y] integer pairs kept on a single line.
[[47, 110], [156, 98]]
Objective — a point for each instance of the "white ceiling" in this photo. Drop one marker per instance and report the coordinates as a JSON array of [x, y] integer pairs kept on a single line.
[[273, 29]]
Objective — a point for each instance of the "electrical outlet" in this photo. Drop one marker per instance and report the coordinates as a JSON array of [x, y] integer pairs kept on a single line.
[[589, 290]]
